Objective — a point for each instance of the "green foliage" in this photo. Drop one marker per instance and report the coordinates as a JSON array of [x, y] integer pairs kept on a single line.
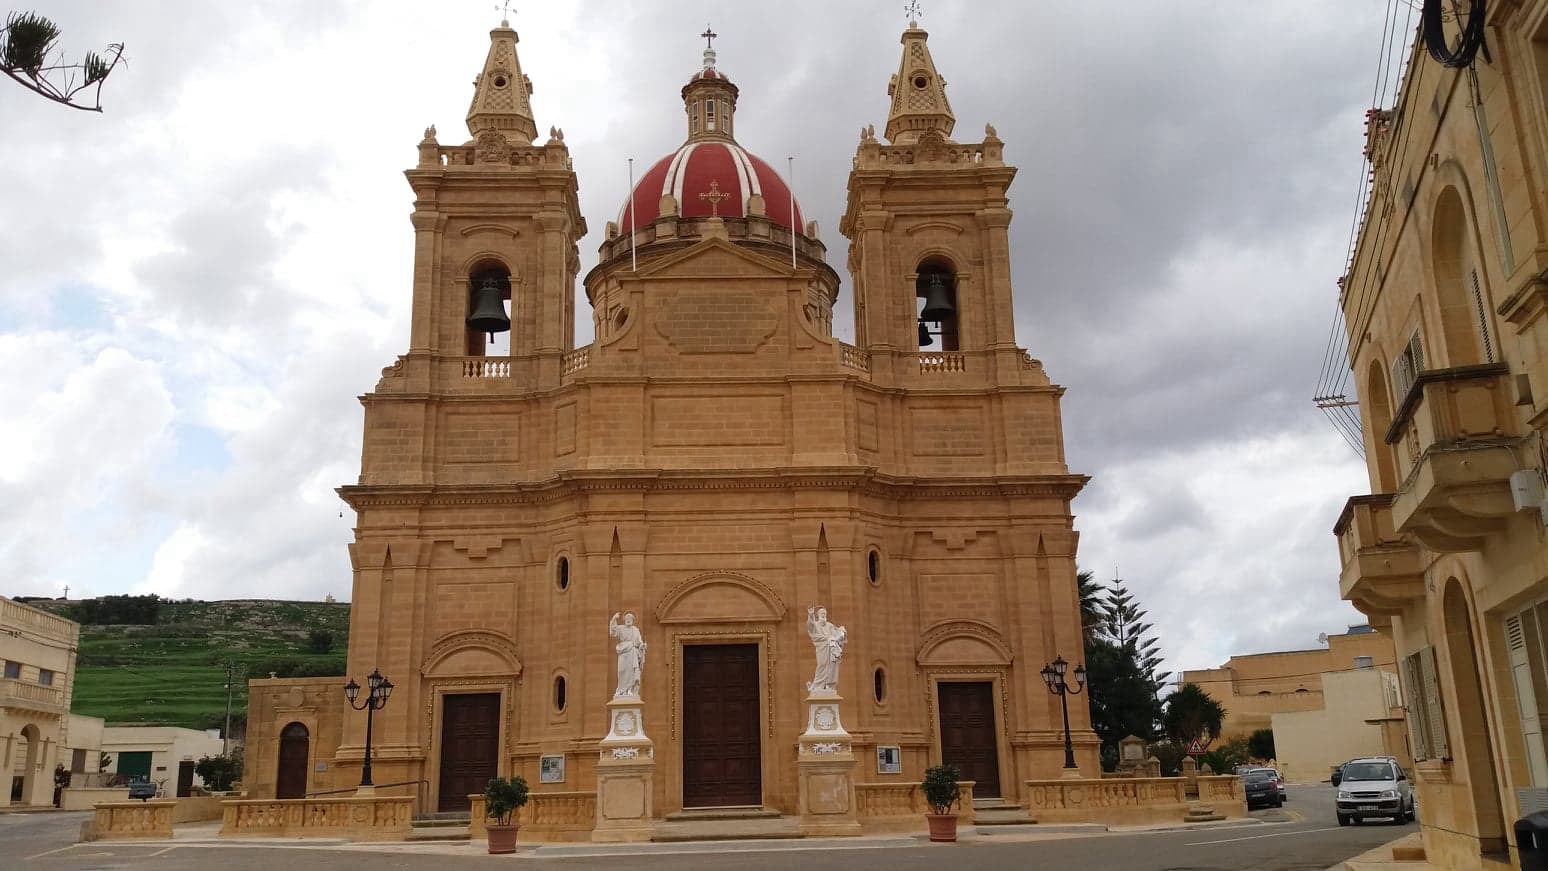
[[1261, 744], [1121, 665], [173, 673], [1224, 757], [1169, 755], [941, 790], [218, 772], [503, 796], [27, 41], [319, 641], [112, 610], [1192, 714]]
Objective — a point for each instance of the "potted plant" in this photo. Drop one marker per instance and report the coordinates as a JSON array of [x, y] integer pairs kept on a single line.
[[502, 797], [942, 793]]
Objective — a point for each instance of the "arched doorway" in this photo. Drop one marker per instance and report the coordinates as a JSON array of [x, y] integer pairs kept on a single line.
[[294, 744], [1477, 748], [32, 745], [1379, 406]]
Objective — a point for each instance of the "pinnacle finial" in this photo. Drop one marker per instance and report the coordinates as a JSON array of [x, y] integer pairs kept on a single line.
[[913, 12], [505, 12], [709, 47]]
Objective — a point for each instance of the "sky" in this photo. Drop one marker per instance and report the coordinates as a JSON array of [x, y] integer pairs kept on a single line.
[[197, 283]]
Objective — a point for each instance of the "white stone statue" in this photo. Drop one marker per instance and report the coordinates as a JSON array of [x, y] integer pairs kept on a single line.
[[631, 655], [829, 641]]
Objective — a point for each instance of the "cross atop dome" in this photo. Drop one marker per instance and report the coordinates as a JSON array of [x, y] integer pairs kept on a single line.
[[709, 47]]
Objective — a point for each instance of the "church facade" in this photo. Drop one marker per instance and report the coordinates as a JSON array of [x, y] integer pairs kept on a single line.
[[714, 465]]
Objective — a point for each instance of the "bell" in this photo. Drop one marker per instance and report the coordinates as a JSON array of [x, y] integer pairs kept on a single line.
[[924, 336], [489, 308], [937, 305]]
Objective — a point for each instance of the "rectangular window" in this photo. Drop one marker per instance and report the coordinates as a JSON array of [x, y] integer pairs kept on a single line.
[[1407, 366], [1422, 698], [1523, 638], [13, 670], [45, 677], [77, 761], [709, 114], [1364, 662]]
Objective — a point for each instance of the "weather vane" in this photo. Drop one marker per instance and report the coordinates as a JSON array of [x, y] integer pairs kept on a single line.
[[912, 10], [709, 38], [505, 10]]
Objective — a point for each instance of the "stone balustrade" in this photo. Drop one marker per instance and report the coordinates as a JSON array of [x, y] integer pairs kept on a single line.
[[893, 807], [1225, 792], [133, 820], [575, 360], [547, 816], [854, 358], [1128, 801], [358, 818], [932, 362], [30, 696], [485, 367]]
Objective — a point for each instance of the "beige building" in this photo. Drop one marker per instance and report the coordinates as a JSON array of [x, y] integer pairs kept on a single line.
[[1444, 305], [1256, 686], [714, 463], [37, 655], [165, 755], [1361, 715]]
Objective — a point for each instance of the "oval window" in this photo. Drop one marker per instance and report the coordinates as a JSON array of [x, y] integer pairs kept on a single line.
[[873, 566], [559, 697], [562, 573], [879, 684]]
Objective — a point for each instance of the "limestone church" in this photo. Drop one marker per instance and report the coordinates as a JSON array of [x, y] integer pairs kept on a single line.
[[715, 463]]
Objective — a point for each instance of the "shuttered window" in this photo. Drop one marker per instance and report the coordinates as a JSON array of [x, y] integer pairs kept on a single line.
[[1422, 699], [1407, 366], [1481, 311], [1523, 638]]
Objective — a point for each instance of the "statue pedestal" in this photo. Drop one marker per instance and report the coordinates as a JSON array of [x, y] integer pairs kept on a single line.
[[826, 768], [625, 775]]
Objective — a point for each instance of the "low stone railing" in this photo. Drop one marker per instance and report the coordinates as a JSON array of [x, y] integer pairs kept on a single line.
[[901, 806], [854, 358], [358, 818], [942, 362], [1225, 792], [1128, 801], [547, 816], [575, 360], [133, 820]]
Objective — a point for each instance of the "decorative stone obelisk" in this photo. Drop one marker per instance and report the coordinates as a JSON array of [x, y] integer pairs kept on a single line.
[[626, 769], [826, 761]]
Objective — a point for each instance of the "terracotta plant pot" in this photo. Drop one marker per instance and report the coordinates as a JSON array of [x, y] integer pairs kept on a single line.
[[943, 827], [502, 839]]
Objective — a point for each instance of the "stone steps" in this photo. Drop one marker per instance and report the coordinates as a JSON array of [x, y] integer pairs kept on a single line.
[[726, 824], [1202, 813], [438, 833], [997, 812]]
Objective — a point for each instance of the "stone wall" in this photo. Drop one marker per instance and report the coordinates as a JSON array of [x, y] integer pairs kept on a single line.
[[133, 820], [547, 816], [1129, 801], [901, 807], [382, 818]]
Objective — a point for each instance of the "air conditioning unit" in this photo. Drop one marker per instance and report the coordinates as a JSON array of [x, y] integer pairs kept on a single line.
[[1526, 489]]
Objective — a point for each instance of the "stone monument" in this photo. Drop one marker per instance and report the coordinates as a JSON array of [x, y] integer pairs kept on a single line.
[[826, 761], [627, 764]]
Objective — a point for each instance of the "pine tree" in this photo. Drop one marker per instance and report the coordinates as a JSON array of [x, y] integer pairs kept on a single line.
[[1123, 623], [1121, 663], [27, 54]]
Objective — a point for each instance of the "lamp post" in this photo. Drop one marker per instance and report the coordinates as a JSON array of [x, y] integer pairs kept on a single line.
[[1053, 675], [379, 688]]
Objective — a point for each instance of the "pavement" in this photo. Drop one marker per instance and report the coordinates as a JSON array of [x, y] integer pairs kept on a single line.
[[1303, 837]]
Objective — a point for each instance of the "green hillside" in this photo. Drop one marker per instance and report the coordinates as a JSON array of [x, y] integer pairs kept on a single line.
[[172, 672]]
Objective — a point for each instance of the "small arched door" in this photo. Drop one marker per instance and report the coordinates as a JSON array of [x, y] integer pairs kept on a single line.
[[291, 783]]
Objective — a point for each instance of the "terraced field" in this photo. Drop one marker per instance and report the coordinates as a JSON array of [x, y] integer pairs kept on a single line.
[[173, 673]]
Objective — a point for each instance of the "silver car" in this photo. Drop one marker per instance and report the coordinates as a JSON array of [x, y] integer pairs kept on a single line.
[[1374, 786]]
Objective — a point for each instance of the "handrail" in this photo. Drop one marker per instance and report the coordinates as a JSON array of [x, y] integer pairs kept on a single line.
[[416, 784]]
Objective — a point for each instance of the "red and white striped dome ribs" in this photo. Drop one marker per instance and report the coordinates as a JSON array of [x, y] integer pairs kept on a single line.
[[705, 172]]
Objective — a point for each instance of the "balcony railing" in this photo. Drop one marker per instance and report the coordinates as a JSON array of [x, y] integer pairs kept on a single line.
[[33, 697], [1381, 568], [1455, 439], [942, 362]]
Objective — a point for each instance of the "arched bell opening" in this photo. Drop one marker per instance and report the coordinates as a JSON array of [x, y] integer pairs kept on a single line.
[[935, 293], [489, 309]]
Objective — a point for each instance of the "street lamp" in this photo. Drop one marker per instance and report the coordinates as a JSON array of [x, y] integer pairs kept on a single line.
[[1053, 675], [376, 698]]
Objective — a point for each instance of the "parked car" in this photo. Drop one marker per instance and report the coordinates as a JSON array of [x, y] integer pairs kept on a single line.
[[1261, 789], [1279, 781], [1372, 787]]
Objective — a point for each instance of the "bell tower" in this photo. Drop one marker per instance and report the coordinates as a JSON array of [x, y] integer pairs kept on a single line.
[[496, 222], [927, 219]]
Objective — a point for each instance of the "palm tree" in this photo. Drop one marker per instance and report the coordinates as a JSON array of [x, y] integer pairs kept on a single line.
[[1091, 595], [1191, 714]]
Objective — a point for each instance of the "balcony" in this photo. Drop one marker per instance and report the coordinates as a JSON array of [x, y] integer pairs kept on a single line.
[[1454, 437], [1381, 569], [32, 697]]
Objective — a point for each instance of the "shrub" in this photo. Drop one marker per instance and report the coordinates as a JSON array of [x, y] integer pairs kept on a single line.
[[1224, 758], [218, 772], [1261, 744], [503, 796], [940, 787], [319, 641]]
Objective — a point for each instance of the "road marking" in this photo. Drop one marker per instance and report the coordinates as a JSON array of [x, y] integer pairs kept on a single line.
[[160, 852], [1256, 837], [58, 850]]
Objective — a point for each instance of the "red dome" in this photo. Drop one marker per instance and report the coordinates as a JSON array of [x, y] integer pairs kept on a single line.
[[703, 167]]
